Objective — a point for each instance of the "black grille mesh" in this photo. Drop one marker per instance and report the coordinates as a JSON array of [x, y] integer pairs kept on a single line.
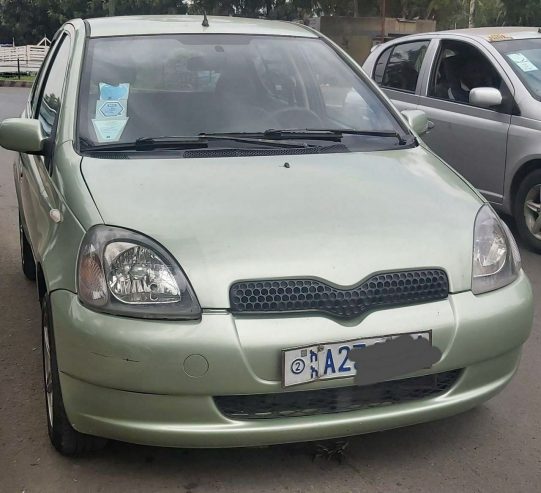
[[335, 400], [274, 151], [381, 290], [109, 155]]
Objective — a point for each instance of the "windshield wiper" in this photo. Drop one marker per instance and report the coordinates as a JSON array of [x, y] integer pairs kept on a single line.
[[145, 144], [332, 134], [268, 138], [187, 142], [329, 133], [252, 138]]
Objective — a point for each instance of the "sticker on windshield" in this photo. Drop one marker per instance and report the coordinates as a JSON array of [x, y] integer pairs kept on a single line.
[[110, 109], [522, 62], [108, 91], [109, 130]]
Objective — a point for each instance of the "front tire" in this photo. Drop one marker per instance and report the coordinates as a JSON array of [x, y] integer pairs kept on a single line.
[[527, 210], [63, 436], [28, 264]]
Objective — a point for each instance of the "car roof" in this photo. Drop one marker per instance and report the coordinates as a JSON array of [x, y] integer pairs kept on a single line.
[[490, 34], [502, 33], [192, 24]]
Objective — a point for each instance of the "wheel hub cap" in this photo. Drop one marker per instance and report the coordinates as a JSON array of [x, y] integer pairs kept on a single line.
[[532, 211]]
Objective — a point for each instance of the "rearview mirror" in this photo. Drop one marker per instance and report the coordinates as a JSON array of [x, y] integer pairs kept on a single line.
[[485, 97], [418, 121], [22, 135]]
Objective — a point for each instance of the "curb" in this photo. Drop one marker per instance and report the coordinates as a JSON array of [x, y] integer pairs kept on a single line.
[[15, 83]]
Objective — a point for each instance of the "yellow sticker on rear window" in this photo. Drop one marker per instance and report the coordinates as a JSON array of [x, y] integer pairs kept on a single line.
[[499, 37]]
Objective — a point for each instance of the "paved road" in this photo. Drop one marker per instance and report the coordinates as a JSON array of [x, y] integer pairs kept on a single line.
[[496, 447]]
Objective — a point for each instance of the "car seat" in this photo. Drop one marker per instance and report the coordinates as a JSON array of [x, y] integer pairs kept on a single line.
[[448, 86]]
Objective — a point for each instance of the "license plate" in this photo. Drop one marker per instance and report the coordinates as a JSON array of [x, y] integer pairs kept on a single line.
[[331, 360]]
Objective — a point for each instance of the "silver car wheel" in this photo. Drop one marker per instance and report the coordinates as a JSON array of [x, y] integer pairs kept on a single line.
[[532, 211], [48, 373]]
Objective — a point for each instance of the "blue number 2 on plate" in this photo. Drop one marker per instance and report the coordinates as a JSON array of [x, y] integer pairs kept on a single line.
[[343, 368]]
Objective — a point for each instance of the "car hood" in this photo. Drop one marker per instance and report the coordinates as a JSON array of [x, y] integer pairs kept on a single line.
[[339, 217]]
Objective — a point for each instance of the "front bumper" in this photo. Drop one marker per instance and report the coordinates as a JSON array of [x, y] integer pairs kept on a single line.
[[153, 382]]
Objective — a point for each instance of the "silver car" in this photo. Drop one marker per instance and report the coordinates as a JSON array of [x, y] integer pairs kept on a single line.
[[481, 88]]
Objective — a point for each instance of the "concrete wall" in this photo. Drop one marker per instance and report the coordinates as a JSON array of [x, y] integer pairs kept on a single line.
[[357, 34]]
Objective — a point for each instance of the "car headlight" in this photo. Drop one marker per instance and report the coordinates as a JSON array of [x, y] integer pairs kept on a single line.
[[125, 273], [496, 259]]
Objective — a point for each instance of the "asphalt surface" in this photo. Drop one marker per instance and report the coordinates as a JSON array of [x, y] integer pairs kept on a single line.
[[493, 448]]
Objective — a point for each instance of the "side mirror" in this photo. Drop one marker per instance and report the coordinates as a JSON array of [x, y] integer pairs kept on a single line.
[[485, 97], [22, 135], [418, 121]]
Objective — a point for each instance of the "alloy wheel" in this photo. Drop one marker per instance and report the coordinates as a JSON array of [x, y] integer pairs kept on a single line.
[[532, 211]]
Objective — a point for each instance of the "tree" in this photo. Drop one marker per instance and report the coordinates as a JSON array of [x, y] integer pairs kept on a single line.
[[471, 17], [523, 12], [27, 21], [490, 13]]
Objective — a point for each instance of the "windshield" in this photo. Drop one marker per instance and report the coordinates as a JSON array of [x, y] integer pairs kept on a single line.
[[141, 87], [524, 57]]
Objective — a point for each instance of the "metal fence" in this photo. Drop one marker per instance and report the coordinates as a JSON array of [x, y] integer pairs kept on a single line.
[[23, 58]]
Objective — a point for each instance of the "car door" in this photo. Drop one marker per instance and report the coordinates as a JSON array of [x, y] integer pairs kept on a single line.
[[471, 139], [28, 112], [37, 193], [398, 71]]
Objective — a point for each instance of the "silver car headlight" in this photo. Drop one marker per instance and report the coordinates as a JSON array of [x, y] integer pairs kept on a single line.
[[125, 273], [496, 259]]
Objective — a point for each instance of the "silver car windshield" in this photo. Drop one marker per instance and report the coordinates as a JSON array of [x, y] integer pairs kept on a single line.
[[141, 87], [524, 57]]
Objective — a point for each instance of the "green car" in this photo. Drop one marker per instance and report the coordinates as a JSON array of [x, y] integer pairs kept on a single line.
[[237, 240]]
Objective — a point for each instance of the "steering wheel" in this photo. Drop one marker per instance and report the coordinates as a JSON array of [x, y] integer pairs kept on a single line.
[[296, 117]]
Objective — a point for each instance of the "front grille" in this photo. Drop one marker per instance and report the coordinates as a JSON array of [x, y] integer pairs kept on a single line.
[[301, 295], [335, 400]]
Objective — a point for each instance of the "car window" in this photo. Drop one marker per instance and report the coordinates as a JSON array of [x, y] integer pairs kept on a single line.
[[346, 102], [184, 85], [380, 65], [524, 57], [51, 94], [459, 68], [278, 73], [41, 74], [404, 64]]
